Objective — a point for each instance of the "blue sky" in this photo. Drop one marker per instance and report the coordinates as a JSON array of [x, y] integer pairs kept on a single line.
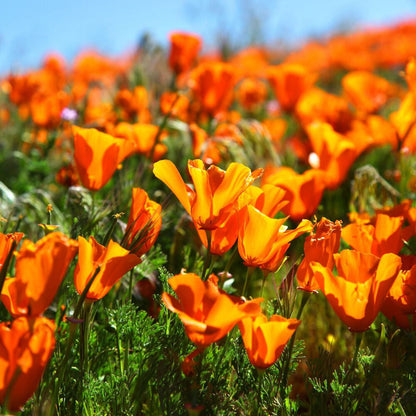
[[29, 29]]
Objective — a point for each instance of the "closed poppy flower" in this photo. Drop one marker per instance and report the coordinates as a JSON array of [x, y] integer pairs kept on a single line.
[[289, 81], [383, 237], [97, 156], [134, 104], [207, 312], [400, 303], [265, 249], [265, 339], [40, 269], [113, 262], [358, 292], [215, 190], [26, 345], [212, 86], [184, 48], [319, 246], [7, 241], [144, 223], [302, 191]]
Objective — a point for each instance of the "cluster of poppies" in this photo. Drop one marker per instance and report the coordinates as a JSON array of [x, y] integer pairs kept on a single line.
[[96, 120]]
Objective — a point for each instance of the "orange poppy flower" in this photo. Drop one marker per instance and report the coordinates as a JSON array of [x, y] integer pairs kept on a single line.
[[199, 138], [26, 345], [303, 191], [144, 223], [97, 156], [267, 248], [319, 246], [358, 292], [332, 152], [265, 339], [400, 303], [207, 312], [215, 191], [134, 104], [6, 244], [114, 262], [366, 91], [251, 93], [289, 81], [317, 105], [175, 104], [140, 138], [184, 48], [40, 269], [267, 199], [212, 86], [383, 237]]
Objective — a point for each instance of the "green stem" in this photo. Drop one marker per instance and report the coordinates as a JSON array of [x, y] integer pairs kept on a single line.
[[208, 256], [249, 273], [286, 365]]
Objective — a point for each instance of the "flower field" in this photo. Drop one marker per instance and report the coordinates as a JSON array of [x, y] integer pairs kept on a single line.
[[211, 234]]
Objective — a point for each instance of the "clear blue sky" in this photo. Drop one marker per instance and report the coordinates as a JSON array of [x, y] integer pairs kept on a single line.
[[29, 29]]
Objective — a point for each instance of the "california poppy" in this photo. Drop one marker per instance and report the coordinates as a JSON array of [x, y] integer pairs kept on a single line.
[[400, 303], [319, 246], [265, 339], [251, 93], [289, 81], [40, 269], [303, 191], [215, 190], [207, 312], [332, 152], [97, 156], [6, 243], [367, 91], [212, 86], [143, 225], [26, 345], [113, 262], [358, 292], [383, 237], [265, 249], [184, 48]]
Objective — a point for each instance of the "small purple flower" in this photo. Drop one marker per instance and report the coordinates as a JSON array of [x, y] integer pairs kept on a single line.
[[69, 114]]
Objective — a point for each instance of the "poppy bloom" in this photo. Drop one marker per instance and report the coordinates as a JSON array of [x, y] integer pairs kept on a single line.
[[212, 86], [215, 191], [207, 312], [400, 303], [366, 91], [316, 105], [143, 225], [267, 248], [26, 345], [184, 48], [114, 262], [251, 93], [383, 237], [40, 269], [265, 339], [319, 246], [6, 244], [289, 81], [140, 138], [302, 191], [332, 152], [97, 156], [358, 292]]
